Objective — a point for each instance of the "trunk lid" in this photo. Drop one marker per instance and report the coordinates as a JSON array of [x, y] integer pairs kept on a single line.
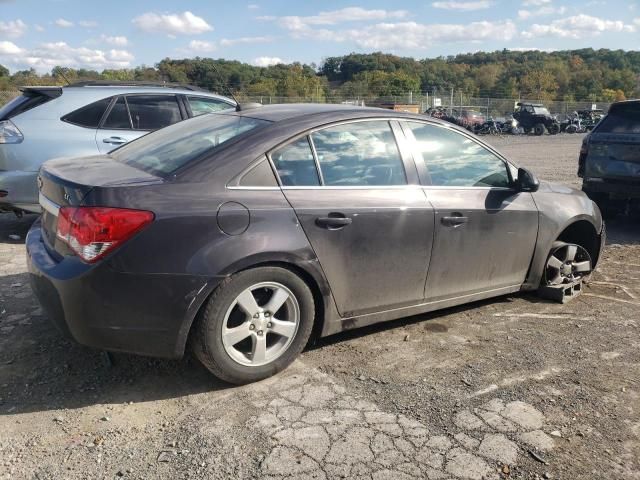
[[67, 181]]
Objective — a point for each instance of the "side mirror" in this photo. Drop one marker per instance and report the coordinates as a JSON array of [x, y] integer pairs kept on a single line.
[[527, 181]]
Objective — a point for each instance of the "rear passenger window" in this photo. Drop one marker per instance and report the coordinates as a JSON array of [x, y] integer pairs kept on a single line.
[[295, 164], [118, 117], [151, 112], [90, 115], [359, 153]]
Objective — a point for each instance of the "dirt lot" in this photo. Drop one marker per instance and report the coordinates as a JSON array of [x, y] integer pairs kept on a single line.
[[509, 388]]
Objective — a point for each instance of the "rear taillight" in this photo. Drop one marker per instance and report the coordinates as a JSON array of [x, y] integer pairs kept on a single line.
[[9, 133], [92, 232], [582, 159]]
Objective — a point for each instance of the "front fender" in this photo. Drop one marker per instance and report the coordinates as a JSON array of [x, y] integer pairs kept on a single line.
[[558, 208]]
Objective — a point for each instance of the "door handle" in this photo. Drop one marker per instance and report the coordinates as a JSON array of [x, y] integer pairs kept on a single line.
[[454, 221], [115, 140], [333, 221]]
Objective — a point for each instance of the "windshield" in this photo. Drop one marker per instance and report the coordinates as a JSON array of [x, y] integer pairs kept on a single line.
[[165, 150], [541, 111]]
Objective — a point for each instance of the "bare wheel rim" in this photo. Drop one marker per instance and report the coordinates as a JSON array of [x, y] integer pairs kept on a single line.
[[567, 263], [260, 324]]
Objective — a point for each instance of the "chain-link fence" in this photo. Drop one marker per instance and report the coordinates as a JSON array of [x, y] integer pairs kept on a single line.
[[495, 107]]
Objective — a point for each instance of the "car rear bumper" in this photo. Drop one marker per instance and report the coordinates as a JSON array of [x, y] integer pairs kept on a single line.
[[615, 189], [146, 314], [22, 191]]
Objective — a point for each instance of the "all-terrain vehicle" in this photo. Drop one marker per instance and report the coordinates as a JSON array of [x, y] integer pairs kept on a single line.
[[534, 117]]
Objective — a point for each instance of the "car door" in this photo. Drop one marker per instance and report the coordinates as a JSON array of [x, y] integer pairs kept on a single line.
[[359, 203], [485, 229], [131, 116]]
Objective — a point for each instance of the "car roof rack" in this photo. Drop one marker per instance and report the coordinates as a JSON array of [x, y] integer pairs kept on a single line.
[[110, 83]]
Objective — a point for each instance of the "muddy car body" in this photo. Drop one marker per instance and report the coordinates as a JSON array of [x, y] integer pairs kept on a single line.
[[316, 218]]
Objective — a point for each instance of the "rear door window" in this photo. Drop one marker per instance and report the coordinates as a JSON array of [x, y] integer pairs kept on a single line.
[[151, 112], [202, 105], [118, 117], [359, 154], [623, 118], [90, 115]]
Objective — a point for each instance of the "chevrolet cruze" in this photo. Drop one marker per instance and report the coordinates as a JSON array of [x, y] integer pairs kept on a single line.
[[241, 234]]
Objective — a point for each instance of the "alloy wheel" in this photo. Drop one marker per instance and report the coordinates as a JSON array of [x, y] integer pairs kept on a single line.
[[260, 324], [567, 263]]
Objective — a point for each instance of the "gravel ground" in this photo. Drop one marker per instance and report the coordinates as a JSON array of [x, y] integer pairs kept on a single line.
[[514, 387]]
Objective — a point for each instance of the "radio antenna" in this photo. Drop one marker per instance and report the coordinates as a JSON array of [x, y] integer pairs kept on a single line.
[[225, 85]]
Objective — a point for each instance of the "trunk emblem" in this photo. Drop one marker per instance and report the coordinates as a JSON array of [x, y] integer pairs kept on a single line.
[[67, 197], [40, 182]]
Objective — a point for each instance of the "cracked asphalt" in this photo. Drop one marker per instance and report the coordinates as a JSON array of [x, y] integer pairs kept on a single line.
[[509, 388]]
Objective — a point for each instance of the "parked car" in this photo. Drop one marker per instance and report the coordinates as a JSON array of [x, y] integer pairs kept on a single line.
[[534, 117], [245, 232], [84, 119], [471, 119], [609, 161]]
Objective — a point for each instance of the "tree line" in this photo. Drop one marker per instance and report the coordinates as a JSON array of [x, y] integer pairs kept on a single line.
[[570, 75]]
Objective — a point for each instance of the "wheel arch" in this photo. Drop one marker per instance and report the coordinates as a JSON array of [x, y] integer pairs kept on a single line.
[[308, 270]]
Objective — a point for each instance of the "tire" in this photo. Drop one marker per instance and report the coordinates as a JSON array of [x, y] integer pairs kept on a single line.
[[554, 128], [223, 307], [538, 129]]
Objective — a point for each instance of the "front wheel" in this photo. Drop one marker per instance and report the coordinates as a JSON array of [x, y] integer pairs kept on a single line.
[[567, 262], [554, 128], [254, 325]]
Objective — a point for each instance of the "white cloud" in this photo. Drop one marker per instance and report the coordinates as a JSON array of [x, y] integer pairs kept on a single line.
[[267, 61], [48, 55], [228, 42], [412, 35], [349, 14], [576, 27], [201, 46], [464, 6], [118, 41], [185, 23], [88, 23], [39, 28], [253, 6], [535, 3], [12, 28], [540, 12], [9, 48], [62, 23]]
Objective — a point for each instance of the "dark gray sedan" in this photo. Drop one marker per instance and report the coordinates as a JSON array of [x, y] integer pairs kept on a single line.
[[245, 233]]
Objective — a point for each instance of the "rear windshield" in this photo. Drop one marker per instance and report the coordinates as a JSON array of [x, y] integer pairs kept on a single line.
[[164, 151], [21, 104], [623, 118], [540, 111]]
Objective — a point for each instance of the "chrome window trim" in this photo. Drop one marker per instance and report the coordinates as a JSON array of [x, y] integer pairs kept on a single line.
[[48, 205]]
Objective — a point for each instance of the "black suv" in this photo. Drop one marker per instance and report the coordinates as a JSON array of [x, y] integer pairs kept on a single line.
[[534, 117], [609, 162]]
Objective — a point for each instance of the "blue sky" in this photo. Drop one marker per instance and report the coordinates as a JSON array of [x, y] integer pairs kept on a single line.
[[117, 33]]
